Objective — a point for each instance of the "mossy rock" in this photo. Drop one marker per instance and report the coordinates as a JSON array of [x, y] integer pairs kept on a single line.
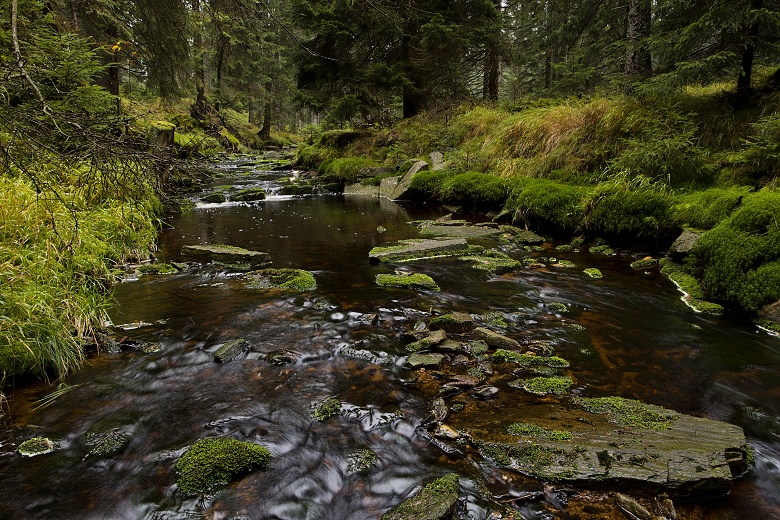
[[325, 409], [249, 195], [602, 249], [592, 272], [407, 281], [494, 339], [421, 360], [285, 278], [361, 461], [36, 446], [210, 463], [455, 322], [105, 443], [557, 307], [227, 255], [629, 412], [536, 431], [545, 385], [156, 268], [214, 198], [529, 360], [493, 261], [435, 501], [644, 263], [693, 295], [408, 250]]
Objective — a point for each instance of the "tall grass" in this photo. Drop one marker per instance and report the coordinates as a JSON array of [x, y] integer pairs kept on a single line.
[[56, 259]]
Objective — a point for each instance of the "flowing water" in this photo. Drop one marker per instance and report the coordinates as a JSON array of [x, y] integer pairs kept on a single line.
[[640, 341]]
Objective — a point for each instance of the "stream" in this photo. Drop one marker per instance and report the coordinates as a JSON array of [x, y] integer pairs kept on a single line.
[[640, 341]]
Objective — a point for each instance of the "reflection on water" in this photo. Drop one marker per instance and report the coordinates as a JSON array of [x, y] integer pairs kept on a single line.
[[639, 341]]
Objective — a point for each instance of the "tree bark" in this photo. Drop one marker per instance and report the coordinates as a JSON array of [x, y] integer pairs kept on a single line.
[[638, 60], [200, 72], [745, 79], [490, 83]]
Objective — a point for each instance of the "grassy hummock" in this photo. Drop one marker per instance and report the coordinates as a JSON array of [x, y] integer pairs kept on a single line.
[[210, 463], [410, 281]]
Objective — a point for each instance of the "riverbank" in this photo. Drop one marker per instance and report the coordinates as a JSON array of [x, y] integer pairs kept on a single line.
[[623, 172]]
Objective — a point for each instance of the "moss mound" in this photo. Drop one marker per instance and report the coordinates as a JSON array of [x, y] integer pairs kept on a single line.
[[295, 279], [411, 281], [210, 463], [629, 412], [435, 501]]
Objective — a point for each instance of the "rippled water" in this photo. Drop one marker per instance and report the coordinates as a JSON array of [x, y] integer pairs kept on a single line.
[[640, 341]]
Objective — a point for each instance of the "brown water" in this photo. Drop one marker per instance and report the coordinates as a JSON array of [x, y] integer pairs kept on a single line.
[[640, 341]]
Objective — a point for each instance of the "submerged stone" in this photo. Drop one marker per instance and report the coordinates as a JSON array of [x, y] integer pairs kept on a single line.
[[408, 250], [230, 350], [419, 360], [407, 281], [435, 501], [285, 278], [227, 255]]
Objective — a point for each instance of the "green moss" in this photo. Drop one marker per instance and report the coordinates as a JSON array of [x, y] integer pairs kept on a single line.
[[629, 412], [361, 461], [539, 461], [105, 443], [529, 360], [347, 170], [602, 249], [249, 195], [456, 322], [162, 126], [768, 325], [547, 204], [644, 263], [693, 295], [706, 209], [411, 281], [557, 307], [535, 431], [295, 279], [434, 501], [36, 446], [325, 409], [494, 319], [592, 272], [475, 190], [546, 385], [214, 198], [210, 463]]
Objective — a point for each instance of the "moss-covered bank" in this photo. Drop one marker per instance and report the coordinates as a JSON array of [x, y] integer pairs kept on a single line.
[[632, 172]]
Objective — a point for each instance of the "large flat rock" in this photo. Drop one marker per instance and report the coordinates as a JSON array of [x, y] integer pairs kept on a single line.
[[633, 446], [407, 250], [228, 255], [459, 231]]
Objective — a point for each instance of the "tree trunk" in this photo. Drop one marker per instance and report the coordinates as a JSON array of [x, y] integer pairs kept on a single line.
[[492, 69], [745, 79], [265, 131], [200, 72], [638, 60]]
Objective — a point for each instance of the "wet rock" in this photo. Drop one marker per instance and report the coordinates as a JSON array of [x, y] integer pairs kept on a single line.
[[294, 279], [455, 323], [449, 345], [632, 509], [387, 186], [684, 243], [770, 318], [462, 231], [227, 255], [485, 392], [249, 195], [651, 449], [663, 508], [36, 446], [325, 409], [438, 411], [214, 198], [492, 261], [416, 281], [494, 339], [105, 443], [446, 432], [434, 338], [415, 249], [523, 236], [361, 190], [361, 461], [435, 501], [230, 350], [405, 182], [424, 360]]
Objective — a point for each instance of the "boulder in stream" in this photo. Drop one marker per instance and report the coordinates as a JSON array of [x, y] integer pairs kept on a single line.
[[228, 255], [405, 182], [407, 250], [417, 281], [435, 501], [285, 278], [230, 350]]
